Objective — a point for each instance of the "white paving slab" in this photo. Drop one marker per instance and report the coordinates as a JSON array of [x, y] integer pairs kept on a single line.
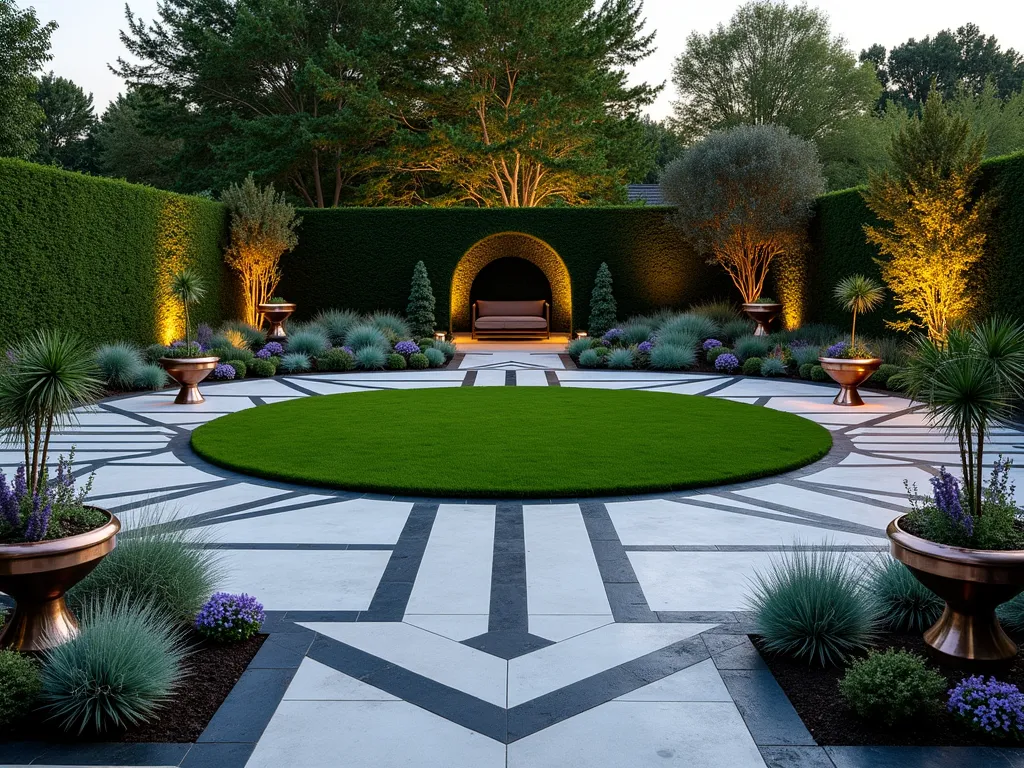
[[701, 682], [358, 521], [562, 576]]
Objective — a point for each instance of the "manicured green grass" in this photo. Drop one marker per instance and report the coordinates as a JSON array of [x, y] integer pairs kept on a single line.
[[511, 441]]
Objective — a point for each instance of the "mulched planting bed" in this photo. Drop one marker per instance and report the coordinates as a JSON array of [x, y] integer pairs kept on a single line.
[[212, 671], [814, 693]]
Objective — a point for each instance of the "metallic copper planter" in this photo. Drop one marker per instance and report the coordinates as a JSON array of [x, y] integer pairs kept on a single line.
[[849, 374], [764, 315], [37, 575], [188, 372], [972, 582], [276, 314]]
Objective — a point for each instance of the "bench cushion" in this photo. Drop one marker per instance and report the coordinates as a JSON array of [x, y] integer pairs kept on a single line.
[[510, 309], [510, 323]]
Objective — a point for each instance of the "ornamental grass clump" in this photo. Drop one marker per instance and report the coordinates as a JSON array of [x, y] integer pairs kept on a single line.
[[390, 322], [668, 357], [903, 602], [228, 618], [891, 687], [309, 342], [735, 329], [151, 377], [678, 338], [19, 687], [993, 706], [120, 670], [809, 605], [446, 347], [336, 323], [804, 354], [699, 326], [721, 312], [239, 331], [751, 346], [589, 358], [435, 357], [773, 366], [119, 364], [621, 358], [296, 362], [374, 358], [635, 332], [158, 562], [365, 335]]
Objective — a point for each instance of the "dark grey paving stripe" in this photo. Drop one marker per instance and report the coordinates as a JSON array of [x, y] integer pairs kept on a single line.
[[552, 379], [625, 595], [470, 379], [508, 609], [395, 587], [848, 495], [296, 387], [510, 378], [719, 387], [796, 757], [820, 521], [544, 711], [450, 703], [567, 361], [767, 713], [762, 401], [796, 517]]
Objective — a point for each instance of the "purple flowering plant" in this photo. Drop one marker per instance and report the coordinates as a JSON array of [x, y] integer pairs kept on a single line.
[[991, 706], [55, 510], [223, 372], [727, 362], [407, 348], [348, 349], [645, 347], [611, 336], [273, 349], [228, 618], [711, 344]]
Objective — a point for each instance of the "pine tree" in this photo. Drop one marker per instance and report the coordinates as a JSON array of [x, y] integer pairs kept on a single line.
[[420, 311], [602, 303]]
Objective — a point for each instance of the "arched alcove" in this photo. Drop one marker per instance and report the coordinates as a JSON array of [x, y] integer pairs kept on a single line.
[[512, 246]]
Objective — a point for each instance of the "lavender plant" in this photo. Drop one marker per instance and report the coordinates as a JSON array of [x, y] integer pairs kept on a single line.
[[228, 618], [54, 510], [992, 706], [407, 348]]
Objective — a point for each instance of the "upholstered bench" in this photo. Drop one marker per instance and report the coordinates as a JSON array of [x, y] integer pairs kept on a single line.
[[511, 319]]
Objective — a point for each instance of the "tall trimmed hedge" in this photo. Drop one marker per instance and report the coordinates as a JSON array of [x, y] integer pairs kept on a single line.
[[839, 248], [87, 253], [363, 258]]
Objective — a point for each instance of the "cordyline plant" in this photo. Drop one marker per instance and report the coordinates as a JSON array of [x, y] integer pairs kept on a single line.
[[262, 229], [969, 383], [42, 382], [743, 197], [858, 293], [188, 288]]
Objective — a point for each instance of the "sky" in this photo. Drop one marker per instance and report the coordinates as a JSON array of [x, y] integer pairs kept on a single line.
[[87, 39]]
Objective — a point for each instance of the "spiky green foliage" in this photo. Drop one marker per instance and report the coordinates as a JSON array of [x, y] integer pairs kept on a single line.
[[751, 346], [892, 349], [160, 562], [420, 309], [904, 603], [188, 287], [701, 326], [418, 361], [603, 311], [678, 338], [805, 355], [389, 321], [372, 358], [119, 364], [435, 357], [154, 352], [773, 366], [621, 358], [589, 358], [120, 670], [809, 605], [891, 687], [446, 347], [671, 358], [366, 335], [735, 329], [335, 323], [578, 346], [308, 342], [1011, 614], [721, 312], [151, 377], [857, 293], [52, 374], [635, 332], [19, 686], [253, 337], [296, 362]]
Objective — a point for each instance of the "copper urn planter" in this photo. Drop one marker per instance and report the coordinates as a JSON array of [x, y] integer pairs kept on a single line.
[[276, 314], [37, 575], [972, 582], [764, 315], [849, 374], [188, 372]]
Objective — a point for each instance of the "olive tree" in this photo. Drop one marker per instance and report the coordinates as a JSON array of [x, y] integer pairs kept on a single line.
[[743, 196]]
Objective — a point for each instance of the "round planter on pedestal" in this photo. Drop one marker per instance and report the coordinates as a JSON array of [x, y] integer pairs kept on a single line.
[[849, 374], [37, 574], [188, 372], [276, 314], [764, 315], [972, 582]]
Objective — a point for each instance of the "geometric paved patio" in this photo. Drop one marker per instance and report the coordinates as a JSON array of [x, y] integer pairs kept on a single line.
[[485, 634]]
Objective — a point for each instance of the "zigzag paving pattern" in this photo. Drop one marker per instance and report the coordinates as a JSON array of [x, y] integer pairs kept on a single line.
[[446, 633]]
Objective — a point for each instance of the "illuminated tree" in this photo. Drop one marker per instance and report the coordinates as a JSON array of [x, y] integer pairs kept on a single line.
[[603, 310], [934, 227], [262, 229], [420, 312], [743, 197]]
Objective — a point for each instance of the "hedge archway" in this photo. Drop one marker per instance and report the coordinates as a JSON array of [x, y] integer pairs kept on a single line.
[[517, 245]]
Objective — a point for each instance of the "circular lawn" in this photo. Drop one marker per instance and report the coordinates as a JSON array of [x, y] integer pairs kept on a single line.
[[511, 441]]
